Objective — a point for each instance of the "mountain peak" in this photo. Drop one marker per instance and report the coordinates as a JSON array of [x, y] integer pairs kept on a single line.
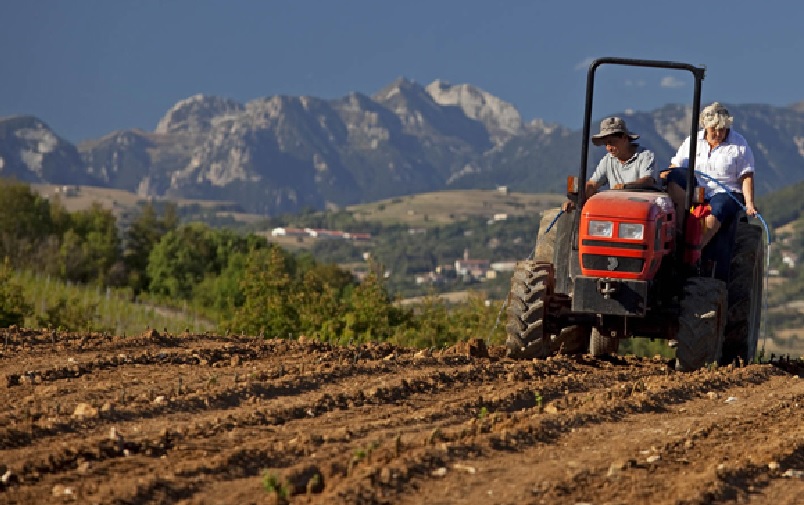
[[194, 114], [501, 118], [22, 121], [400, 86], [31, 151]]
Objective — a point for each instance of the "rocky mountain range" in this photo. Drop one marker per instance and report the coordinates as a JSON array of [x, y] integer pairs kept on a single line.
[[283, 153]]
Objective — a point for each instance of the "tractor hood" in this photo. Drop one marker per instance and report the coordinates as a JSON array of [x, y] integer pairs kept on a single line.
[[625, 234], [627, 205]]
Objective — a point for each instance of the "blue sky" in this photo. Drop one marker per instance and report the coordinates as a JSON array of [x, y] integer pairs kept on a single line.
[[88, 67]]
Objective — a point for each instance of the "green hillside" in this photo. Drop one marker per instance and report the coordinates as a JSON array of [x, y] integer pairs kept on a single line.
[[414, 243]]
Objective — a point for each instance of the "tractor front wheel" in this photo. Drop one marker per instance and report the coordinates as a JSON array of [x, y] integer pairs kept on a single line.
[[531, 286], [601, 345]]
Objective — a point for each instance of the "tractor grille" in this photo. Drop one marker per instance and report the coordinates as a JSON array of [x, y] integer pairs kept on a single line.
[[622, 245], [612, 263]]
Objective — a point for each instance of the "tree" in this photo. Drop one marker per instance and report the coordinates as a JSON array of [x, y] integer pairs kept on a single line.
[[189, 258], [319, 301], [372, 316], [25, 223], [433, 323], [268, 295], [90, 246], [180, 261], [13, 307], [222, 292], [141, 237]]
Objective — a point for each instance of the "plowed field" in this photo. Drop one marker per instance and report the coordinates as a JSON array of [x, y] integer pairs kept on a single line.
[[236, 420]]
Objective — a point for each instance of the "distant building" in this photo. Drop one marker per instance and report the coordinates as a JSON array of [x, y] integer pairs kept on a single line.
[[319, 233], [322, 233], [429, 278], [475, 268], [357, 236], [288, 232], [68, 191]]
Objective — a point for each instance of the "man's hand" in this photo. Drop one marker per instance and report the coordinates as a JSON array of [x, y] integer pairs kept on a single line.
[[567, 206], [751, 210]]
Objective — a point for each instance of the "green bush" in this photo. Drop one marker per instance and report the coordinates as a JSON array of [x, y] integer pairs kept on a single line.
[[70, 314], [13, 307]]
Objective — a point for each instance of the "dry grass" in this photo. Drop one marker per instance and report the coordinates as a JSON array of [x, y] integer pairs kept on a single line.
[[425, 209], [445, 207], [82, 197], [122, 202]]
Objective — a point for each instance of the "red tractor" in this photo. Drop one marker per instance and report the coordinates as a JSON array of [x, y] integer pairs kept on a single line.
[[614, 268]]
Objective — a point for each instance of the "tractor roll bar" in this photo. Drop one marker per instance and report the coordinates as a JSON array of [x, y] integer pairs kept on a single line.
[[698, 74]]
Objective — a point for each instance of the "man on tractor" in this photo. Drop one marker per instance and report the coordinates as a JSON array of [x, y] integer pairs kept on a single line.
[[625, 161]]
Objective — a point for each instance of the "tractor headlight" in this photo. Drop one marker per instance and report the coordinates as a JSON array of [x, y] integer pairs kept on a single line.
[[600, 228], [631, 231]]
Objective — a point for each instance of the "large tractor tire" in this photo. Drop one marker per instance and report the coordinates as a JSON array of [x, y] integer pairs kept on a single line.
[[555, 246], [531, 286], [745, 295], [601, 345], [701, 323], [544, 250]]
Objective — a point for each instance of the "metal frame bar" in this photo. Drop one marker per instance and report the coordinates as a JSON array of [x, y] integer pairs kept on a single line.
[[698, 74]]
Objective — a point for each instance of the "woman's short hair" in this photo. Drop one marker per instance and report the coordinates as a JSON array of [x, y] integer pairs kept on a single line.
[[716, 116]]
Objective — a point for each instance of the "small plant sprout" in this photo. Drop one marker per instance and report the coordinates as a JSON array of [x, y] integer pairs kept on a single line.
[[314, 483], [271, 483], [537, 397], [484, 412], [364, 452]]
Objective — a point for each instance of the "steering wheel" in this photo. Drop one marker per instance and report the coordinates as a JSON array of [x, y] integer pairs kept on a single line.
[[640, 186]]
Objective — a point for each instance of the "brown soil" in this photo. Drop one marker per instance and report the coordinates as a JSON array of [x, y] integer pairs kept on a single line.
[[237, 420]]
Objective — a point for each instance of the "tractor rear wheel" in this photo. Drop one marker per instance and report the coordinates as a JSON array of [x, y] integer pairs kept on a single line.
[[701, 323], [544, 250], [531, 286], [745, 295]]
